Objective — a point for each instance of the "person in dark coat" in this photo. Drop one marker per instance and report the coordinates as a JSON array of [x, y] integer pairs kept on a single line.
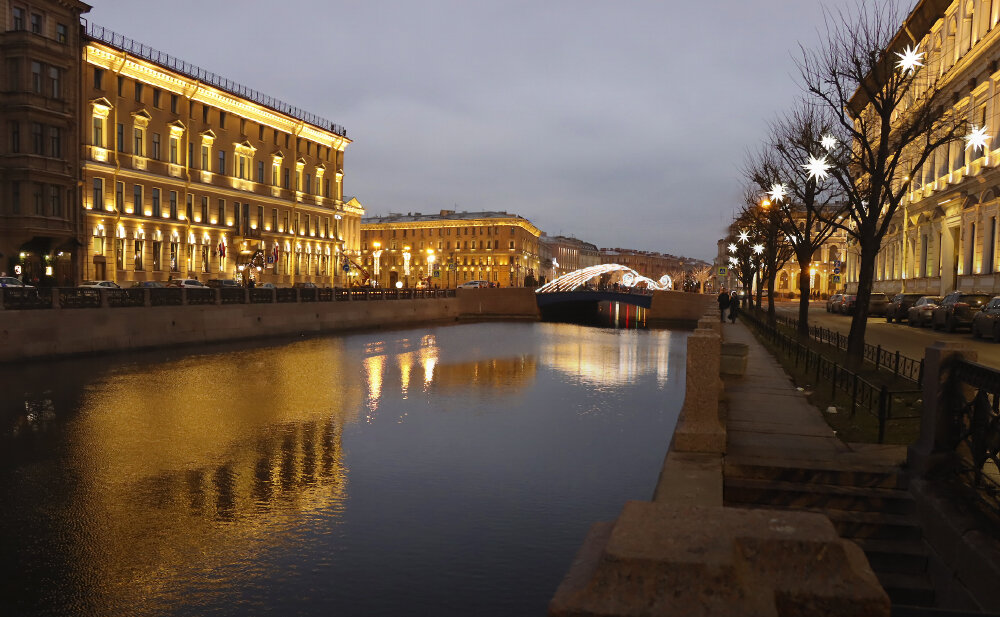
[[723, 303], [734, 303]]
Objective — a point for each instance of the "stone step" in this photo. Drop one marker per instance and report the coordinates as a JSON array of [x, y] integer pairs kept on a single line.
[[854, 525], [895, 556], [815, 495], [907, 589], [820, 472]]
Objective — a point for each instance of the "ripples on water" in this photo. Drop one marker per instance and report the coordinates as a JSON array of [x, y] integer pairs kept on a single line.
[[450, 471]]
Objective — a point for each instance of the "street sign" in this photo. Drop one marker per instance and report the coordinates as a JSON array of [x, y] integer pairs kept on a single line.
[[836, 270], [453, 267], [437, 274], [723, 271], [836, 278], [346, 267]]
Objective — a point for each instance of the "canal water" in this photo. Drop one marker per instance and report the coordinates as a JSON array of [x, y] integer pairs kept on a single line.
[[433, 471]]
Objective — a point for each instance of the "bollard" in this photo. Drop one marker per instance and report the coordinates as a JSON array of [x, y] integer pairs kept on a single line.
[[698, 428]]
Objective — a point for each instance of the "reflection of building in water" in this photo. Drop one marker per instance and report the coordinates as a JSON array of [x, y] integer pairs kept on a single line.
[[506, 373], [591, 358], [184, 465]]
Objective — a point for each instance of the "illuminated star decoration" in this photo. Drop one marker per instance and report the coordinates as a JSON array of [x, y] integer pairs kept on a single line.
[[778, 192], [758, 248], [744, 236], [818, 168], [977, 139], [733, 260], [910, 59], [732, 248], [828, 142]]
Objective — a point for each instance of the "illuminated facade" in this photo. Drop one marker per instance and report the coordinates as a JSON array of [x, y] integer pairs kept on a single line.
[[944, 235], [561, 255], [183, 178], [647, 263], [450, 248], [124, 163]]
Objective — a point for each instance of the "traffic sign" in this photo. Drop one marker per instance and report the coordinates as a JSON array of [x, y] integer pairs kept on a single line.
[[836, 270], [453, 267], [723, 270], [346, 267], [836, 278]]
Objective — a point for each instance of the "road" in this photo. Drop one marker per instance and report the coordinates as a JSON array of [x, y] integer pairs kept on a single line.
[[893, 336]]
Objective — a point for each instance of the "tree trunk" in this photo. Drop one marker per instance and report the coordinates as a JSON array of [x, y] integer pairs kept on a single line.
[[770, 299], [866, 276], [804, 291], [756, 284]]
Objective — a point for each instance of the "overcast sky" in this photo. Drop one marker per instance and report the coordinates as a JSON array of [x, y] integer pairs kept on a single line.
[[621, 123]]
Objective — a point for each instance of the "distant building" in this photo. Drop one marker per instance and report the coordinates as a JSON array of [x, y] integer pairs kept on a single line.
[[562, 254], [647, 263], [450, 248]]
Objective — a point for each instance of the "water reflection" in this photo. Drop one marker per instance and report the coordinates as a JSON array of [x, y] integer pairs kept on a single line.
[[166, 481]]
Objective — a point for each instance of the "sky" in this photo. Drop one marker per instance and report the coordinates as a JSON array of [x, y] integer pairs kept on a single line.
[[622, 123]]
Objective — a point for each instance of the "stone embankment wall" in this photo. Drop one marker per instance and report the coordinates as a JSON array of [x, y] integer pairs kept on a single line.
[[676, 308]]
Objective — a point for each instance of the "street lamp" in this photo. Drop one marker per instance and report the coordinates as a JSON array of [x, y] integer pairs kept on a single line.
[[376, 259], [431, 258], [406, 265]]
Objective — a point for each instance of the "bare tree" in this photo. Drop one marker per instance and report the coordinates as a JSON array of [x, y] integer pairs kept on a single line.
[[771, 247], [887, 117], [701, 274]]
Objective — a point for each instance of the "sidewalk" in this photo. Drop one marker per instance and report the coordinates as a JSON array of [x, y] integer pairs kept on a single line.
[[770, 421]]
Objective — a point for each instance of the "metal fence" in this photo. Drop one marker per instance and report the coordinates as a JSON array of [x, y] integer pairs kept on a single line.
[[899, 365], [874, 399], [20, 298], [973, 409]]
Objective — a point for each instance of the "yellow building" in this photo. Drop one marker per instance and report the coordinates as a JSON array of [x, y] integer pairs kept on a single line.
[[450, 248], [187, 174]]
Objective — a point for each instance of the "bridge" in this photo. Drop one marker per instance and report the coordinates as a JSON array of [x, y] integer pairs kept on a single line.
[[644, 300], [625, 278]]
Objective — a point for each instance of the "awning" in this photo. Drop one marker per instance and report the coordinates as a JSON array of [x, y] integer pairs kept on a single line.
[[40, 245]]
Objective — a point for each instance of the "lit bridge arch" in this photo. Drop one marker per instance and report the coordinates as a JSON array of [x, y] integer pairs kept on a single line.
[[629, 278]]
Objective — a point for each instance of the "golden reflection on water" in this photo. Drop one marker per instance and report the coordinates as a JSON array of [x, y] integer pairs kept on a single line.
[[590, 356]]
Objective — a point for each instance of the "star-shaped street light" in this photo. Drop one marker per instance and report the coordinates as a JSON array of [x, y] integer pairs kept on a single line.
[[818, 168], [733, 260], [778, 192], [829, 142], [758, 249], [910, 59], [732, 247], [744, 236], [977, 139]]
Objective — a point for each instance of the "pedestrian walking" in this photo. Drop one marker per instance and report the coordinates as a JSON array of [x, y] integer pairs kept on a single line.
[[734, 303], [723, 304]]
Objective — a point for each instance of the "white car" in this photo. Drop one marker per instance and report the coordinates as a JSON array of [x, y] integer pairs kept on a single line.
[[10, 281], [474, 284], [100, 285], [186, 283]]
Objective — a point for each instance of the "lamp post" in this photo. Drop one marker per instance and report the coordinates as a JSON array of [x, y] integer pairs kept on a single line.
[[406, 266], [430, 265], [376, 261]]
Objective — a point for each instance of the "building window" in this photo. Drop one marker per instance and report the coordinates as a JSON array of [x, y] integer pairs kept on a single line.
[[36, 23], [205, 259], [157, 250], [137, 199], [156, 203], [55, 201], [204, 209], [222, 119], [137, 255], [260, 172], [120, 196], [173, 103], [309, 183], [55, 82], [98, 79], [120, 254], [38, 138], [156, 97], [98, 198], [189, 207], [241, 168], [204, 157], [286, 228], [222, 212], [55, 142], [156, 146], [121, 85], [174, 246], [138, 92], [174, 143], [137, 147], [39, 206], [36, 77], [274, 219], [61, 33], [173, 204], [286, 176], [15, 136], [221, 167], [18, 18]]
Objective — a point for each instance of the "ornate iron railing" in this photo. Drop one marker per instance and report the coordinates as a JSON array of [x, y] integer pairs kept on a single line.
[[27, 298], [974, 417]]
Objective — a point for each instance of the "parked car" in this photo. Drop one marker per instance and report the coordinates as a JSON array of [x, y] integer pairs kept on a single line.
[[833, 303], [847, 304], [919, 315], [222, 283], [899, 307], [304, 285], [987, 321], [267, 286], [474, 284], [10, 281], [185, 283], [148, 284], [99, 285], [878, 304], [957, 310]]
